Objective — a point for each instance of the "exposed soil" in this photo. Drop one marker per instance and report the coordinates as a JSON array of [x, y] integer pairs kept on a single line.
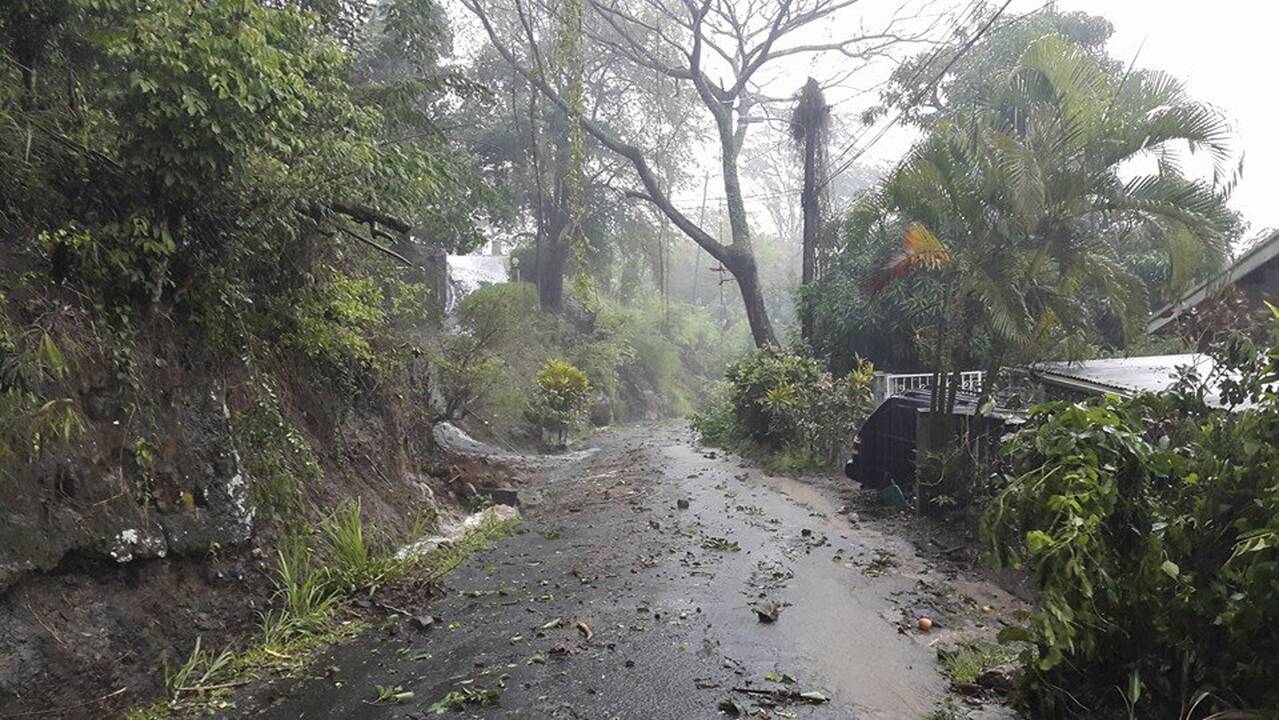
[[86, 639]]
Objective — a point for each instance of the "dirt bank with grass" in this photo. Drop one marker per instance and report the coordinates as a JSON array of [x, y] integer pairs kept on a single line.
[[163, 522]]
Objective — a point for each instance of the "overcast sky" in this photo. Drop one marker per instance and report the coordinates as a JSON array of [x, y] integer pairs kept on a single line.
[[1224, 51]]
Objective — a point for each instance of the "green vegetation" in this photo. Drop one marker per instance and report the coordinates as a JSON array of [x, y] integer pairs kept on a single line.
[[463, 698], [559, 399], [315, 578], [965, 662], [1010, 234], [1149, 529], [638, 363], [785, 403], [277, 456], [230, 167], [35, 409], [392, 694], [244, 194], [948, 709]]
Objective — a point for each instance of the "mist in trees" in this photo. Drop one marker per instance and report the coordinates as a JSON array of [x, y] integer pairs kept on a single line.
[[718, 53]]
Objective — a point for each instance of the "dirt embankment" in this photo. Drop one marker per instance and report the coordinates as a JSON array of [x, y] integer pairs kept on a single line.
[[149, 530]]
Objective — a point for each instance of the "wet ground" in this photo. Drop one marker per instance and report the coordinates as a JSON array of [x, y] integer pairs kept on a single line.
[[615, 601]]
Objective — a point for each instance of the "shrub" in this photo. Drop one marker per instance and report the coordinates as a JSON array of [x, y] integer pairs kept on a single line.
[[334, 319], [37, 409], [560, 399], [356, 559], [1150, 529], [466, 368], [715, 423], [491, 319], [768, 389], [786, 401]]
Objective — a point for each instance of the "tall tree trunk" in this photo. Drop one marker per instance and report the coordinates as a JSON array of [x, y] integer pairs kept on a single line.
[[810, 125], [808, 202], [736, 257], [554, 256], [553, 245], [739, 258], [742, 265]]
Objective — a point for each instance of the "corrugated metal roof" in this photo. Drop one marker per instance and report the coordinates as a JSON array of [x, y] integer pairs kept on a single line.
[[1124, 376], [1256, 257]]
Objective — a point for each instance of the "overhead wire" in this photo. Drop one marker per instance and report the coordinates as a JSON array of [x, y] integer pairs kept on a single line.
[[973, 8], [845, 165], [919, 94]]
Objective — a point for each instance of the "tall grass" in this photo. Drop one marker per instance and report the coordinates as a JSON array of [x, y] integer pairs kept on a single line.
[[318, 569], [200, 672], [355, 561], [306, 598]]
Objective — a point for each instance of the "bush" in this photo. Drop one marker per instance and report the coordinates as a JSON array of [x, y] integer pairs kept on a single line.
[[559, 399], [493, 321], [37, 410], [716, 424], [1150, 529], [767, 391], [333, 320], [786, 402]]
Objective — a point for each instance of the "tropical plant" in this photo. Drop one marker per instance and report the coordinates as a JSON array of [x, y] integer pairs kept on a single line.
[[1149, 529], [785, 402], [560, 398], [810, 131], [767, 389], [1018, 210]]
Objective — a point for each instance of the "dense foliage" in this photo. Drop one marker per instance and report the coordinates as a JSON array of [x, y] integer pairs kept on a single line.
[[787, 403], [1017, 229], [245, 170], [642, 363], [1150, 529], [559, 399]]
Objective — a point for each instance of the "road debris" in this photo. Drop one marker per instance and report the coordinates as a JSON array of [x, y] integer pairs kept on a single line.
[[767, 612]]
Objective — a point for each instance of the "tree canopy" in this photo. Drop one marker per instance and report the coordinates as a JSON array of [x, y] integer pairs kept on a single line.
[[1018, 212]]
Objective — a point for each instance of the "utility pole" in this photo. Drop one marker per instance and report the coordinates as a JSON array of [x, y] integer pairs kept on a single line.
[[723, 310], [664, 271], [701, 218]]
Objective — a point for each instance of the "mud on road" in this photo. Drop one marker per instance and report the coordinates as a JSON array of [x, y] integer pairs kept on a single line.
[[635, 588]]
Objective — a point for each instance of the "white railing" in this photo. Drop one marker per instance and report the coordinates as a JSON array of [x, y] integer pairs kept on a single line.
[[888, 385]]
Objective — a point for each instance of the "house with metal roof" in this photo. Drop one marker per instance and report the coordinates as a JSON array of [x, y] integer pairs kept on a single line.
[[1255, 274]]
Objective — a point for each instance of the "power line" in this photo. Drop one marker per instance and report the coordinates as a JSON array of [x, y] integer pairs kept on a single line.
[[920, 93], [973, 7], [846, 165]]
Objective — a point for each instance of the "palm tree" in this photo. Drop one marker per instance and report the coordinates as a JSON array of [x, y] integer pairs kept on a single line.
[[1023, 205]]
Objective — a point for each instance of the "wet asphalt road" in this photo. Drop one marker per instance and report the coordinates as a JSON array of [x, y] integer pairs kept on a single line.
[[666, 594]]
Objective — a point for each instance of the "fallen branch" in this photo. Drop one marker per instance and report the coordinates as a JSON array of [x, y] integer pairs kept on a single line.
[[394, 609], [369, 216], [201, 689], [380, 248], [783, 694]]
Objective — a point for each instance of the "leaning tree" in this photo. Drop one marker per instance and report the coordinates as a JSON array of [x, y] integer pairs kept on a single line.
[[727, 52]]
